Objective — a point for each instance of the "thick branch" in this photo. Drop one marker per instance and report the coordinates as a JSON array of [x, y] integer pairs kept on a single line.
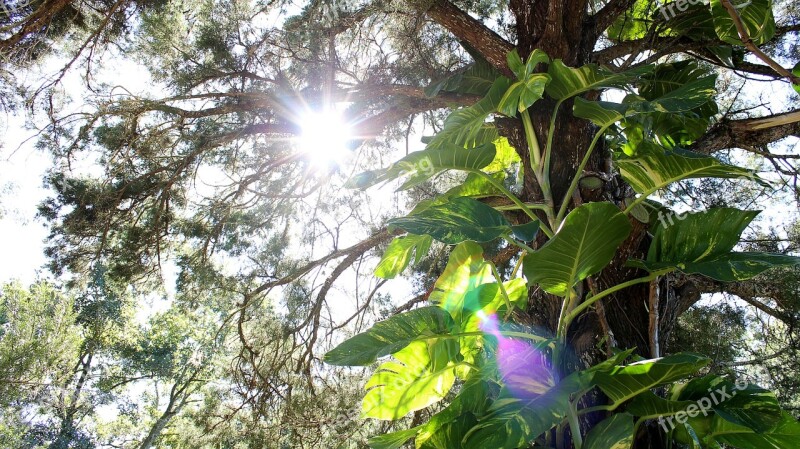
[[493, 47], [755, 132], [606, 16]]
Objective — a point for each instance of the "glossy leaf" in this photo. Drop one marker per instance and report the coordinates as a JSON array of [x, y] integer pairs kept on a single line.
[[397, 256], [421, 374], [601, 113], [475, 79], [391, 335], [584, 245], [459, 220], [567, 81], [526, 232], [455, 290], [785, 435], [625, 382], [654, 168], [756, 15], [462, 128], [647, 404], [615, 432], [522, 94]]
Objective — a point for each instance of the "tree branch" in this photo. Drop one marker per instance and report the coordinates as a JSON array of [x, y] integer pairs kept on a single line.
[[493, 47], [754, 132]]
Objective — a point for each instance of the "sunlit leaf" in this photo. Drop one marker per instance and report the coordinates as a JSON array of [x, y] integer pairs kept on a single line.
[[420, 166], [455, 290], [654, 167], [577, 250], [625, 382], [601, 113], [393, 440], [391, 335], [421, 374], [397, 256]]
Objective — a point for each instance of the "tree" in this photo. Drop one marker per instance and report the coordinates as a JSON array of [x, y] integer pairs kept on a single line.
[[238, 86]]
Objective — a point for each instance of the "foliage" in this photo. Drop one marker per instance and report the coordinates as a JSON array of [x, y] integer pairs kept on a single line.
[[477, 342]]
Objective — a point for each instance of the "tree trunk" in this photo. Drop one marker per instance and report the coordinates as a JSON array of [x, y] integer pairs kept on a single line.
[[563, 29]]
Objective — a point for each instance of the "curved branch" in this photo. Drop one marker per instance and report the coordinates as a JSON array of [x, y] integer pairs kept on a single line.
[[468, 29]]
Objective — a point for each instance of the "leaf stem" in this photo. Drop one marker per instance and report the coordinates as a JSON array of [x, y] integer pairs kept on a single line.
[[540, 170], [499, 186], [574, 425]]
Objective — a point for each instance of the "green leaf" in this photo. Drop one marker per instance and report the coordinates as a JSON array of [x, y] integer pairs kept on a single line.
[[698, 236], [785, 435], [796, 72], [647, 404], [536, 57], [626, 382], [393, 440], [420, 166], [526, 232], [421, 375], [522, 94], [615, 432], [567, 81], [728, 267], [756, 16], [515, 64], [475, 79], [680, 87], [456, 289], [584, 245], [601, 113], [654, 168], [391, 335], [398, 254], [505, 157], [466, 127], [634, 23], [459, 220]]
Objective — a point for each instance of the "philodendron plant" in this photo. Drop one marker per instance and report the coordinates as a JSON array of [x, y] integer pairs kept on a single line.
[[506, 385]]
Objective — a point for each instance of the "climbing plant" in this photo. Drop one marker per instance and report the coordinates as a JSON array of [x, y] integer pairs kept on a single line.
[[508, 385]]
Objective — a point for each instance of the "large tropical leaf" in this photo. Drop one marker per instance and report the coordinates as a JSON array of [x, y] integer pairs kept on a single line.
[[626, 382], [701, 243], [655, 167], [476, 79], [601, 113], [393, 440], [456, 289], [785, 434], [647, 405], [397, 256], [456, 221], [391, 335], [756, 16], [522, 94], [567, 81], [615, 432], [422, 165], [463, 127], [421, 374], [729, 267], [584, 245], [701, 235]]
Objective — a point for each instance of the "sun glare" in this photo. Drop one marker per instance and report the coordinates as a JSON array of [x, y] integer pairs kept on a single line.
[[325, 137]]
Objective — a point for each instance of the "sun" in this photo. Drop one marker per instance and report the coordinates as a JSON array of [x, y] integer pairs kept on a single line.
[[325, 137]]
